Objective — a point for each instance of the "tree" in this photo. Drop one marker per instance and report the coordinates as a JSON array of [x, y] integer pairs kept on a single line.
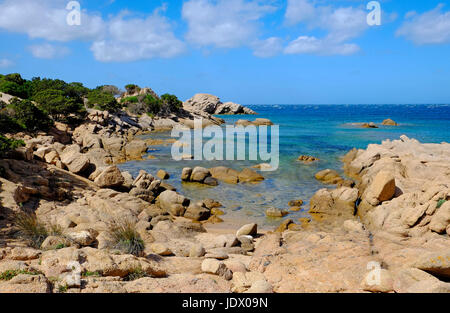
[[76, 90], [13, 85], [56, 104], [103, 100], [28, 116]]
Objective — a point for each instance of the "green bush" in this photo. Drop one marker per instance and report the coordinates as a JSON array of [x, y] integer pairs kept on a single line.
[[172, 102], [13, 89], [9, 125], [28, 116], [153, 105], [128, 100], [103, 100], [56, 104], [113, 90], [10, 274], [7, 144], [131, 88]]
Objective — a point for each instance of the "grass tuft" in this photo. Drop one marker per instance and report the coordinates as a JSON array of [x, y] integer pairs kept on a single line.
[[35, 231], [440, 203], [126, 238], [31, 229], [137, 273], [10, 274], [91, 274]]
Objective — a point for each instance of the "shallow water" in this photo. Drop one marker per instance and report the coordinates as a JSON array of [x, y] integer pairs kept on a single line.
[[323, 131]]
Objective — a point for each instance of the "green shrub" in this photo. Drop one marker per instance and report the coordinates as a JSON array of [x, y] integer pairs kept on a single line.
[[30, 117], [103, 100], [126, 238], [13, 89], [131, 88], [127, 100], [113, 90], [172, 102], [56, 104], [9, 125], [7, 144], [63, 288], [10, 274], [91, 274], [153, 105]]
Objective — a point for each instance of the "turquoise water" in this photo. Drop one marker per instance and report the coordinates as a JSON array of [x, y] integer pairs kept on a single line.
[[323, 131]]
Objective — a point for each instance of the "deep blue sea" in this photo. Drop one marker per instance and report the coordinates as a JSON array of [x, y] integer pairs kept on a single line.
[[323, 131]]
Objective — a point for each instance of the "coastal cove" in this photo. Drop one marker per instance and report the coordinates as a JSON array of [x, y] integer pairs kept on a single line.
[[327, 132]]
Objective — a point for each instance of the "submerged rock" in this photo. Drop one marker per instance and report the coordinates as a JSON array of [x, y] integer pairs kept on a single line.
[[328, 176]]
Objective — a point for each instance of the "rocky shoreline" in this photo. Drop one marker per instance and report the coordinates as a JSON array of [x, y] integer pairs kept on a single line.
[[394, 211]]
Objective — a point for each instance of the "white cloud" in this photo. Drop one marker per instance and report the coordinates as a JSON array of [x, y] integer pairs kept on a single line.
[[341, 24], [299, 11], [48, 51], [312, 45], [131, 39], [223, 23], [46, 19], [4, 63], [118, 38], [267, 48], [432, 27]]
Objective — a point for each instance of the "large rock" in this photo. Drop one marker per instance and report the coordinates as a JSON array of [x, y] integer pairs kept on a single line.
[[216, 267], [389, 122], [232, 108], [162, 174], [186, 174], [382, 283], [173, 202], [248, 229], [111, 177], [197, 212], [328, 176], [437, 263], [249, 176], [441, 219], [74, 160], [135, 149], [202, 102], [199, 174], [334, 203], [24, 283], [382, 188], [225, 174]]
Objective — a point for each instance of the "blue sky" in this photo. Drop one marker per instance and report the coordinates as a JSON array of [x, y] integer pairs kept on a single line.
[[246, 51]]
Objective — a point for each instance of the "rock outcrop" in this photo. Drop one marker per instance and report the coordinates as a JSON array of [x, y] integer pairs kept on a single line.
[[205, 103]]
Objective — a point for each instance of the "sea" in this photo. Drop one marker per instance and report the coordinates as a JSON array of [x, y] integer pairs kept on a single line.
[[327, 132]]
